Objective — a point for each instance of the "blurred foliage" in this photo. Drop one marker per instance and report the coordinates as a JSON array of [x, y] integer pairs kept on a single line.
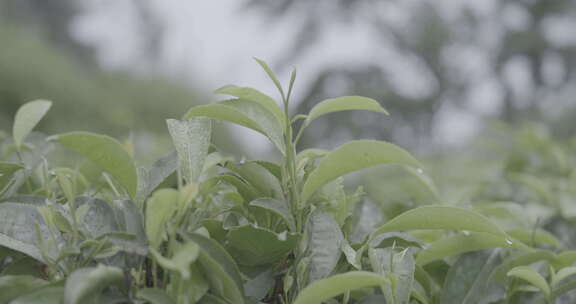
[[457, 49]]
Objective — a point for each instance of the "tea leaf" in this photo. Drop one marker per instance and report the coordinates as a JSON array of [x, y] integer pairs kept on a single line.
[[441, 217], [271, 74], [107, 153], [159, 209], [27, 117], [343, 103], [154, 296], [257, 96], [353, 156], [191, 138], [531, 276], [258, 246], [84, 285], [325, 289], [324, 242], [46, 295]]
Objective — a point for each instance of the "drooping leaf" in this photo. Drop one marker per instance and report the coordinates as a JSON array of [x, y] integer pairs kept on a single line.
[[441, 217], [27, 117], [184, 255], [536, 236], [254, 246], [159, 209], [325, 289], [468, 281], [344, 103], [154, 296], [531, 276], [245, 113], [84, 285], [254, 95], [460, 243], [219, 268], [324, 242], [191, 137], [107, 153], [353, 156]]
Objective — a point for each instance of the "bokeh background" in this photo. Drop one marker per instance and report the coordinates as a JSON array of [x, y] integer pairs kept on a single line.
[[446, 70]]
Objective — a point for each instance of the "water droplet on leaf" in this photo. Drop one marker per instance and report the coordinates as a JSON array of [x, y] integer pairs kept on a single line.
[[508, 241]]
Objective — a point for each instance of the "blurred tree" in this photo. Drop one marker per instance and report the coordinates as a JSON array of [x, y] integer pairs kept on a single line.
[[456, 49]]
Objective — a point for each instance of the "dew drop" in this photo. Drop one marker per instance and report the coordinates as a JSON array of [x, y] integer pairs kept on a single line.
[[420, 171], [466, 232], [508, 241]]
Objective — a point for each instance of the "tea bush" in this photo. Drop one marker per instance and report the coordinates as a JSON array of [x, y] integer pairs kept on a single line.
[[81, 222]]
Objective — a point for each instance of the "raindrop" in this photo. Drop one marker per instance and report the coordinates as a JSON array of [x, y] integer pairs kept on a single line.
[[466, 232], [420, 171], [282, 236], [508, 241]]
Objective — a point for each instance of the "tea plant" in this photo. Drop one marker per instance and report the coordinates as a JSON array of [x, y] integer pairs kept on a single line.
[[81, 222]]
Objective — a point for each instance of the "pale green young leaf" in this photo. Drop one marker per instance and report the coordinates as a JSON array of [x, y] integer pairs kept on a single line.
[[535, 237], [244, 113], [460, 243], [184, 255], [353, 156], [107, 153], [521, 259], [441, 217], [563, 274], [325, 289], [256, 96], [344, 103], [271, 74], [191, 137], [84, 285], [27, 117], [531, 276], [399, 267], [159, 208]]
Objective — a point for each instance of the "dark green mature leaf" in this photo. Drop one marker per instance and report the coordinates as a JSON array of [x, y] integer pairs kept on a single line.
[[468, 280], [344, 103], [107, 153], [99, 218], [191, 137], [531, 276], [353, 156], [254, 246], [441, 217], [245, 113], [278, 207], [27, 117], [260, 178], [254, 95], [12, 287], [219, 268], [460, 243], [46, 295], [154, 296], [325, 289], [7, 170], [84, 285], [324, 242]]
